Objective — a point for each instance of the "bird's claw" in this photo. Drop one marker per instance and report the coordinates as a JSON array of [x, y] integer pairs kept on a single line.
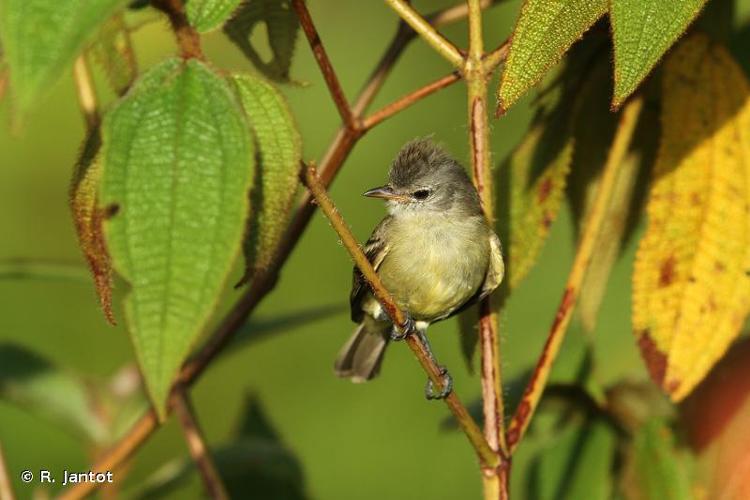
[[429, 390], [398, 334]]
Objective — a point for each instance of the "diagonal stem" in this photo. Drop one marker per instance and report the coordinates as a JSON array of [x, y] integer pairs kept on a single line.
[[428, 32], [535, 387], [6, 490], [197, 445], [486, 455], [409, 99], [332, 81]]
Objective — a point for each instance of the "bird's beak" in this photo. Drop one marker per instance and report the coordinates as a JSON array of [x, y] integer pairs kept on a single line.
[[385, 192]]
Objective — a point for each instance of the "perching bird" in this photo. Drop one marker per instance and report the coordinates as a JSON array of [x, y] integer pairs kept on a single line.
[[434, 252]]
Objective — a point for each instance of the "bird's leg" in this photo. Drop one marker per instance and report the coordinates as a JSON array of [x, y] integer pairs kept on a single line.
[[398, 334], [429, 390]]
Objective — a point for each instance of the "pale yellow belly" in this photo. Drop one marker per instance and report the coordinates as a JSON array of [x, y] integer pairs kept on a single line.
[[434, 270]]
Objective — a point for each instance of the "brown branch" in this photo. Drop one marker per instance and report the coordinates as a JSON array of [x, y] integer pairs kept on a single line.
[[486, 455], [197, 445], [409, 99], [124, 449], [584, 253], [187, 38], [263, 282], [6, 490], [329, 74], [495, 480]]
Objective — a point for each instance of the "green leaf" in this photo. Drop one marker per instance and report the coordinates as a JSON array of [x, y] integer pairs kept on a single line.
[[113, 51], [656, 470], [35, 384], [282, 27], [642, 31], [207, 15], [41, 38], [545, 30], [177, 168], [279, 155], [534, 176]]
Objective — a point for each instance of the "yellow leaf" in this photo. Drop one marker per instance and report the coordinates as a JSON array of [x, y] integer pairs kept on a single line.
[[691, 289]]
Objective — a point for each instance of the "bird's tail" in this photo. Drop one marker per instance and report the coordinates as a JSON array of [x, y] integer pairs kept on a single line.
[[361, 356]]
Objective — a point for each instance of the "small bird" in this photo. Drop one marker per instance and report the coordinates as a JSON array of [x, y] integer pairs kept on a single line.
[[435, 253]]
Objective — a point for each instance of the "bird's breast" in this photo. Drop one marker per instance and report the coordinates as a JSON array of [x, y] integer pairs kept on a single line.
[[435, 264]]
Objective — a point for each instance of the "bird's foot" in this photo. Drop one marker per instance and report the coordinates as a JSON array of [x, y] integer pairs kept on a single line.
[[398, 334], [429, 390]]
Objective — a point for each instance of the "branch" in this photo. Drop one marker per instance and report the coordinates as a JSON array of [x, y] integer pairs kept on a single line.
[[187, 38], [325, 64], [584, 253], [493, 59], [404, 102], [263, 282], [467, 424], [428, 32], [6, 490], [197, 445], [495, 480], [86, 93]]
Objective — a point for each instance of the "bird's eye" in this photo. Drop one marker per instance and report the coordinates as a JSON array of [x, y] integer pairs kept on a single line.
[[421, 194]]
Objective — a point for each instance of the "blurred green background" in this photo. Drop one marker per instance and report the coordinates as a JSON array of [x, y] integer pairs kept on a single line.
[[373, 441]]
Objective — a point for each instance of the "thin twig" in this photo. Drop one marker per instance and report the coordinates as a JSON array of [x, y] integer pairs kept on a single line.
[[86, 93], [187, 38], [404, 102], [493, 59], [584, 253], [263, 282], [495, 480], [6, 490], [428, 32], [337, 93], [486, 455], [124, 449], [197, 445]]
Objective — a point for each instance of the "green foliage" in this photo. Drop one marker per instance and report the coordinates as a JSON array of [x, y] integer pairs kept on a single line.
[[282, 27], [207, 15], [656, 469], [40, 38], [255, 459], [113, 51], [279, 154], [34, 383], [177, 166], [642, 32], [531, 185], [544, 31], [576, 462]]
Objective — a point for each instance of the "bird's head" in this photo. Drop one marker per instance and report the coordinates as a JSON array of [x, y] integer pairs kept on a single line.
[[423, 178]]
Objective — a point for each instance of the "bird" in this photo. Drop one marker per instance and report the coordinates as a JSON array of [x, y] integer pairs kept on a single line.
[[435, 252]]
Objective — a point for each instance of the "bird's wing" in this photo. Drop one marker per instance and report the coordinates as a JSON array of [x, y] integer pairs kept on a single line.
[[496, 269], [375, 250]]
